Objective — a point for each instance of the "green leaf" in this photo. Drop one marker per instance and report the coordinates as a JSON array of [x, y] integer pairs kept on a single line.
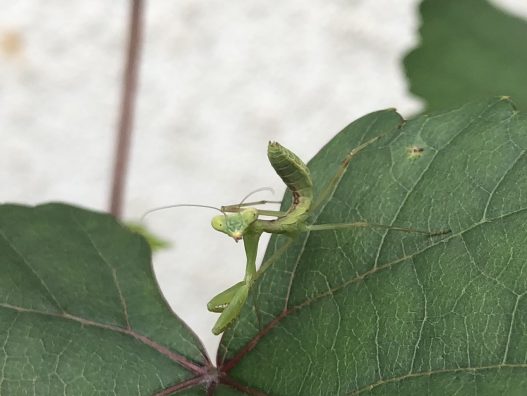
[[155, 241], [369, 311], [80, 312], [469, 50]]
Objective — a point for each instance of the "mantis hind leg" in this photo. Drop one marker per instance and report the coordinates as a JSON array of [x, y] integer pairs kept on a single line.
[[364, 224], [222, 300], [232, 310], [330, 187]]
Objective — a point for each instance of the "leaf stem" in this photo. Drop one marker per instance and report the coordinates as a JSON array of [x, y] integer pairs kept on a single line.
[[124, 129]]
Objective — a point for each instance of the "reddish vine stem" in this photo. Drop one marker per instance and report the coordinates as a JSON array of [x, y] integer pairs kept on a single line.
[[124, 130]]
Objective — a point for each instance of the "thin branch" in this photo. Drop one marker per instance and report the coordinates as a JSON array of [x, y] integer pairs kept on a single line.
[[124, 131]]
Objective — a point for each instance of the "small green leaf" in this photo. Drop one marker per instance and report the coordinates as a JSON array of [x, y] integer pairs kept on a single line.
[[469, 50], [370, 311], [156, 242], [80, 312]]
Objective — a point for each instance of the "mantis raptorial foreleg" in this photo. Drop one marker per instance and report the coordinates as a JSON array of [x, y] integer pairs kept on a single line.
[[231, 301], [232, 309], [221, 301]]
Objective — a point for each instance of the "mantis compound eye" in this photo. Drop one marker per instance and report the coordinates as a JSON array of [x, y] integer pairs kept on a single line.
[[218, 223], [249, 215]]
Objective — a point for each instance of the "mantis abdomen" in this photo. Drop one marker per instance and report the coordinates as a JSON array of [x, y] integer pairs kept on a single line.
[[295, 174]]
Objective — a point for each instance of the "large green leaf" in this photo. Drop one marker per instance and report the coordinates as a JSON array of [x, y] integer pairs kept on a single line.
[[469, 49], [384, 312], [80, 312], [349, 312]]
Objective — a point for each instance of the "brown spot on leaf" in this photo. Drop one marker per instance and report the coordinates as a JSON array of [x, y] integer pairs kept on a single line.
[[415, 152]]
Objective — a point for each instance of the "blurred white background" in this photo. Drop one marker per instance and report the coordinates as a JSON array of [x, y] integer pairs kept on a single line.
[[218, 80]]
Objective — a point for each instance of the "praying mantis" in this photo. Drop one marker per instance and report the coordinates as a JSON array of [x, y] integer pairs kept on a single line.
[[242, 222]]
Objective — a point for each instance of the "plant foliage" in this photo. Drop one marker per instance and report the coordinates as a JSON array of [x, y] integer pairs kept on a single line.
[[469, 49]]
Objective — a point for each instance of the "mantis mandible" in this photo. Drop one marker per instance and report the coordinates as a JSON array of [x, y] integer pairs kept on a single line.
[[242, 222]]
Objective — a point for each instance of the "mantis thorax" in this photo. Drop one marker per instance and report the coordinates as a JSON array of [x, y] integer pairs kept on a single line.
[[235, 224]]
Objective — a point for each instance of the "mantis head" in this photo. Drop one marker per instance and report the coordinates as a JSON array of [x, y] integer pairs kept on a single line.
[[235, 225]]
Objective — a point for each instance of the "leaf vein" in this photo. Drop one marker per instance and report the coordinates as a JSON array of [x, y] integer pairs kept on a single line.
[[472, 370], [112, 269], [45, 287]]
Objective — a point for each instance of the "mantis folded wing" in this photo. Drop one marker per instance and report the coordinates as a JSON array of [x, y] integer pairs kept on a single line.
[[241, 222]]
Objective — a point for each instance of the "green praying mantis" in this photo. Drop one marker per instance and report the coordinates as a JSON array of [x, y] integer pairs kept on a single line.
[[243, 222]]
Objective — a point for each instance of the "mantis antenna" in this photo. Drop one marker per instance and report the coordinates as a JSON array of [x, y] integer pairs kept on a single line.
[[178, 206], [208, 206], [237, 207], [256, 191]]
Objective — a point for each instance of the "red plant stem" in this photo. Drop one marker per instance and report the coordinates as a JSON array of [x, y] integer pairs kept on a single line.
[[124, 131]]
